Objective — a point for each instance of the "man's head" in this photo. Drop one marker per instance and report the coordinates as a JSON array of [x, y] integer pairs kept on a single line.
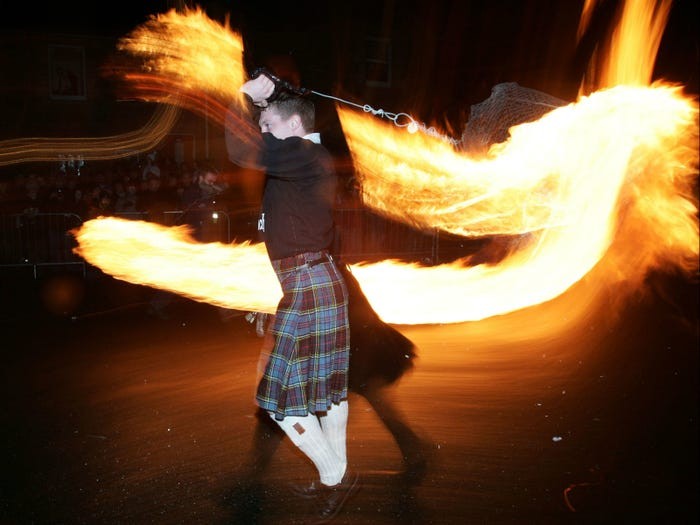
[[288, 117], [207, 176]]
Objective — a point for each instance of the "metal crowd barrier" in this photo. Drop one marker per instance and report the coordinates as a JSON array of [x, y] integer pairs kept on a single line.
[[362, 235], [39, 240], [207, 225]]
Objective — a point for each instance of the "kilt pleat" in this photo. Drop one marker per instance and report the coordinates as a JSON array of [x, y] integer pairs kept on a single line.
[[308, 368]]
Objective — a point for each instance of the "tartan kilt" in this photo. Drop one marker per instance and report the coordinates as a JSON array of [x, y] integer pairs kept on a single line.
[[308, 367]]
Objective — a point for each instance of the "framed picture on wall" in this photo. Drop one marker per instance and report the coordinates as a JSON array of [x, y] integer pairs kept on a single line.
[[67, 72]]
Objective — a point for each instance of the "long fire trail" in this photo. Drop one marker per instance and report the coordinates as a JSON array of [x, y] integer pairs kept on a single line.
[[602, 186]]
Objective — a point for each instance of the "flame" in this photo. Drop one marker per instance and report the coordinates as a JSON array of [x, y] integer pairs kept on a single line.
[[186, 59], [237, 276], [600, 157], [190, 50], [602, 187], [605, 181], [634, 44]]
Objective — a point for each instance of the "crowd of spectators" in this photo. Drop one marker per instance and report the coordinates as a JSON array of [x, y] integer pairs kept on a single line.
[[144, 187], [143, 184], [90, 189]]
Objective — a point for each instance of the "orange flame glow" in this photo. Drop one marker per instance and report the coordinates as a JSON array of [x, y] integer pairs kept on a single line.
[[573, 181], [237, 276], [602, 186], [192, 50], [188, 60], [600, 157], [633, 45]]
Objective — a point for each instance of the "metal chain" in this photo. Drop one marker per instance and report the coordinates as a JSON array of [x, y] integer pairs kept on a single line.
[[400, 120]]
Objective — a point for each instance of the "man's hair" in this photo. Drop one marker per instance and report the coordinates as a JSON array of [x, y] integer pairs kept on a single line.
[[203, 170], [287, 106]]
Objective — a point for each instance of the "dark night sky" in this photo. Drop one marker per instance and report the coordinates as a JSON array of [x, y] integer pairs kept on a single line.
[[679, 48], [116, 18], [98, 18], [499, 34], [448, 62]]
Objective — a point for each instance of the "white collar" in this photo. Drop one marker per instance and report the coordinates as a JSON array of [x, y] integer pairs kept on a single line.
[[313, 137]]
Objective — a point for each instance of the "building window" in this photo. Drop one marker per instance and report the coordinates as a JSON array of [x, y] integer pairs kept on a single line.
[[67, 72], [378, 62]]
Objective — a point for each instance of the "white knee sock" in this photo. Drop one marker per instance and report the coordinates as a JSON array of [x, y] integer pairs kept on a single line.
[[334, 425], [305, 432]]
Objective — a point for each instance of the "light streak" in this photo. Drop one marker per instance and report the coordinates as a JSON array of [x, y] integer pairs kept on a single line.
[[600, 187], [50, 149]]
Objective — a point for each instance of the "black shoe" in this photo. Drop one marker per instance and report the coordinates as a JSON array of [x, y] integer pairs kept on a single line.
[[310, 491], [332, 499]]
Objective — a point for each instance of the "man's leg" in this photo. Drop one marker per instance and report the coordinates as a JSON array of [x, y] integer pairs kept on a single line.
[[334, 425], [305, 432]]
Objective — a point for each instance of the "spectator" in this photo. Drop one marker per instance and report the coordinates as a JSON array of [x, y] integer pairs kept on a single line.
[[155, 201]]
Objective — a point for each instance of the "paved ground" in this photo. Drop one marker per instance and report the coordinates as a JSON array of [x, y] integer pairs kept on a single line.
[[114, 416]]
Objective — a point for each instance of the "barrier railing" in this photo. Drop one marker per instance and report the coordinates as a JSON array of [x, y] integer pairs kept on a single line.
[[365, 236], [39, 240], [207, 225]]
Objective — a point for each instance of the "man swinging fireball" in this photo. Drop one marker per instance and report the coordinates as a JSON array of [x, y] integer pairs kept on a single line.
[[304, 385]]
